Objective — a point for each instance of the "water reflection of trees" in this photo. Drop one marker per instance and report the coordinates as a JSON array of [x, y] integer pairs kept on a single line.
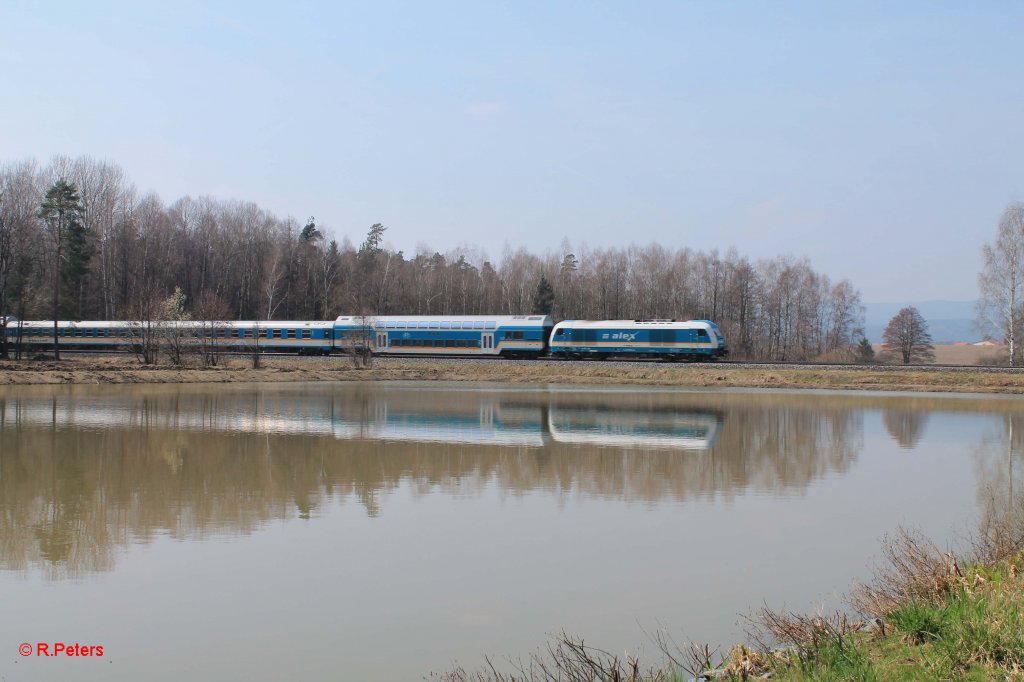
[[190, 464], [1000, 474], [193, 462], [905, 426]]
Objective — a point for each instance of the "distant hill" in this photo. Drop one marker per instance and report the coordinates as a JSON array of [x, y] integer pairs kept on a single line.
[[948, 321]]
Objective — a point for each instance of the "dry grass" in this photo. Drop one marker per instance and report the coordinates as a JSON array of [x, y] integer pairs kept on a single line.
[[99, 370], [915, 570], [566, 659]]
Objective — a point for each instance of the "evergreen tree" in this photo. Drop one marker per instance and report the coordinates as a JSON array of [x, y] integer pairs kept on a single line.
[[78, 252], [865, 353], [61, 211], [310, 232], [371, 247], [544, 299]]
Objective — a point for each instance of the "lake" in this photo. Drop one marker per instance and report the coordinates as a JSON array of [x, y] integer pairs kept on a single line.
[[381, 531]]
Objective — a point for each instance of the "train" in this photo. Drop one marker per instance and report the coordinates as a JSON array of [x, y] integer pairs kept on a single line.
[[508, 336]]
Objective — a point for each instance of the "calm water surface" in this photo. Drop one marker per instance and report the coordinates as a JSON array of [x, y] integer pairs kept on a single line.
[[381, 531]]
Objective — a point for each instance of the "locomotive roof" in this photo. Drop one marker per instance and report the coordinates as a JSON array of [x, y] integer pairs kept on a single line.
[[634, 324]]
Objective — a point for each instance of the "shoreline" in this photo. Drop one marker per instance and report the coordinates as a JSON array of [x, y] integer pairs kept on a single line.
[[124, 370]]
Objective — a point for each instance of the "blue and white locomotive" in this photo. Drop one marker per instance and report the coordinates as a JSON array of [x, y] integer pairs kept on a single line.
[[692, 340]]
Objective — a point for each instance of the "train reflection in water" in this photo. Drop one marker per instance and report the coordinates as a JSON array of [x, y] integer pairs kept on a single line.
[[520, 419], [659, 429]]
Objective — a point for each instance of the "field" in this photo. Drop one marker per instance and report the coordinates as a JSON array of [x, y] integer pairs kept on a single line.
[[950, 354]]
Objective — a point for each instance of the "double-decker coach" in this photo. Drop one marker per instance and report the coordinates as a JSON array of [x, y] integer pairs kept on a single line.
[[513, 336], [669, 339]]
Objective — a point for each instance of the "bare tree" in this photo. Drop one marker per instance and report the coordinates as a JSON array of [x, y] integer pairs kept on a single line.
[[175, 327], [210, 312], [1001, 281], [146, 325], [254, 346], [907, 336], [19, 199]]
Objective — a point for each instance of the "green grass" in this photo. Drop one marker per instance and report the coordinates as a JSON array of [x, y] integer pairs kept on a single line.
[[972, 635]]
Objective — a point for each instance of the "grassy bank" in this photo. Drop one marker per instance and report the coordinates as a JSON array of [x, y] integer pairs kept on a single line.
[[109, 370], [932, 619], [926, 615]]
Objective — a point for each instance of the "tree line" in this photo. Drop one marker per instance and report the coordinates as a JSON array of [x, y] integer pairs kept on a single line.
[[79, 241]]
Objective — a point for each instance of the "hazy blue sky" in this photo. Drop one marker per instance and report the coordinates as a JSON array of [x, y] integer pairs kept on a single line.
[[881, 140]]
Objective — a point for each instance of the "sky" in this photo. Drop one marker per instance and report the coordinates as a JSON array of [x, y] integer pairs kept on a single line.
[[880, 140]]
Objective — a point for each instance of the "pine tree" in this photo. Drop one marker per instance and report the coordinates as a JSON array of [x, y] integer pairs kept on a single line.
[[865, 353], [310, 232], [62, 212], [544, 299]]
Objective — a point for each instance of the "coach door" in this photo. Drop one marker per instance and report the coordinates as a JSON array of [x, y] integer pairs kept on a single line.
[[382, 340], [488, 341]]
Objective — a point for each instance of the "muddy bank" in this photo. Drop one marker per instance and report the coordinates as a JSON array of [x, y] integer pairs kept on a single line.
[[124, 370]]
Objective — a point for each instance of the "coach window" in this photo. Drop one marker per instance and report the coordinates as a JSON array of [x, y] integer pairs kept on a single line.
[[307, 334], [435, 325], [291, 333], [446, 325]]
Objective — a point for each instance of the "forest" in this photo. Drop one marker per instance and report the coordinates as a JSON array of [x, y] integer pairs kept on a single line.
[[102, 250]]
